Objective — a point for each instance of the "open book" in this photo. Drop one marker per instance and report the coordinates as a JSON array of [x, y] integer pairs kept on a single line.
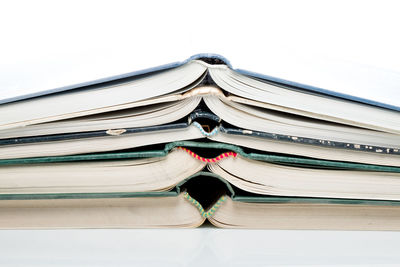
[[72, 155]]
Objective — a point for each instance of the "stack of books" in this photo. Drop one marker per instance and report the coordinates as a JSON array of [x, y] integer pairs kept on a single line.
[[179, 144]]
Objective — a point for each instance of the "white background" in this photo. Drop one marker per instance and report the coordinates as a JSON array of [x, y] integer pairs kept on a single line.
[[347, 46]]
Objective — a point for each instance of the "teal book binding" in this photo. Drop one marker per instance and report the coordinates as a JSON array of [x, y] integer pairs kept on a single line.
[[290, 160]]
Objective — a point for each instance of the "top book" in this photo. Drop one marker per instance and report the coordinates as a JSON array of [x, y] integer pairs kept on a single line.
[[175, 82]]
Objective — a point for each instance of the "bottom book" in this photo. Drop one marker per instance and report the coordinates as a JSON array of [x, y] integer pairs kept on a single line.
[[179, 208]]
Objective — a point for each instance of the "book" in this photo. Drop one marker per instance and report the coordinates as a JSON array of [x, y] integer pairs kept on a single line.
[[171, 84], [120, 152], [178, 209], [286, 176]]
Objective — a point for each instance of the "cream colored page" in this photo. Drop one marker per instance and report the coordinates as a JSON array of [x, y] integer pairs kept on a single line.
[[145, 212], [235, 214], [79, 103]]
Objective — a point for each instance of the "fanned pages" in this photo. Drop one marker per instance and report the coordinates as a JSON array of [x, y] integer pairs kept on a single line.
[[156, 114], [108, 98], [140, 212], [301, 216], [271, 179], [137, 175]]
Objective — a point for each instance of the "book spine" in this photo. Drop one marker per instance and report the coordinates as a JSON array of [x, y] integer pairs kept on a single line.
[[209, 160], [210, 212]]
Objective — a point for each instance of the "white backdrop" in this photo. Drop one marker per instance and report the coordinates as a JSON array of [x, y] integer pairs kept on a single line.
[[347, 46]]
